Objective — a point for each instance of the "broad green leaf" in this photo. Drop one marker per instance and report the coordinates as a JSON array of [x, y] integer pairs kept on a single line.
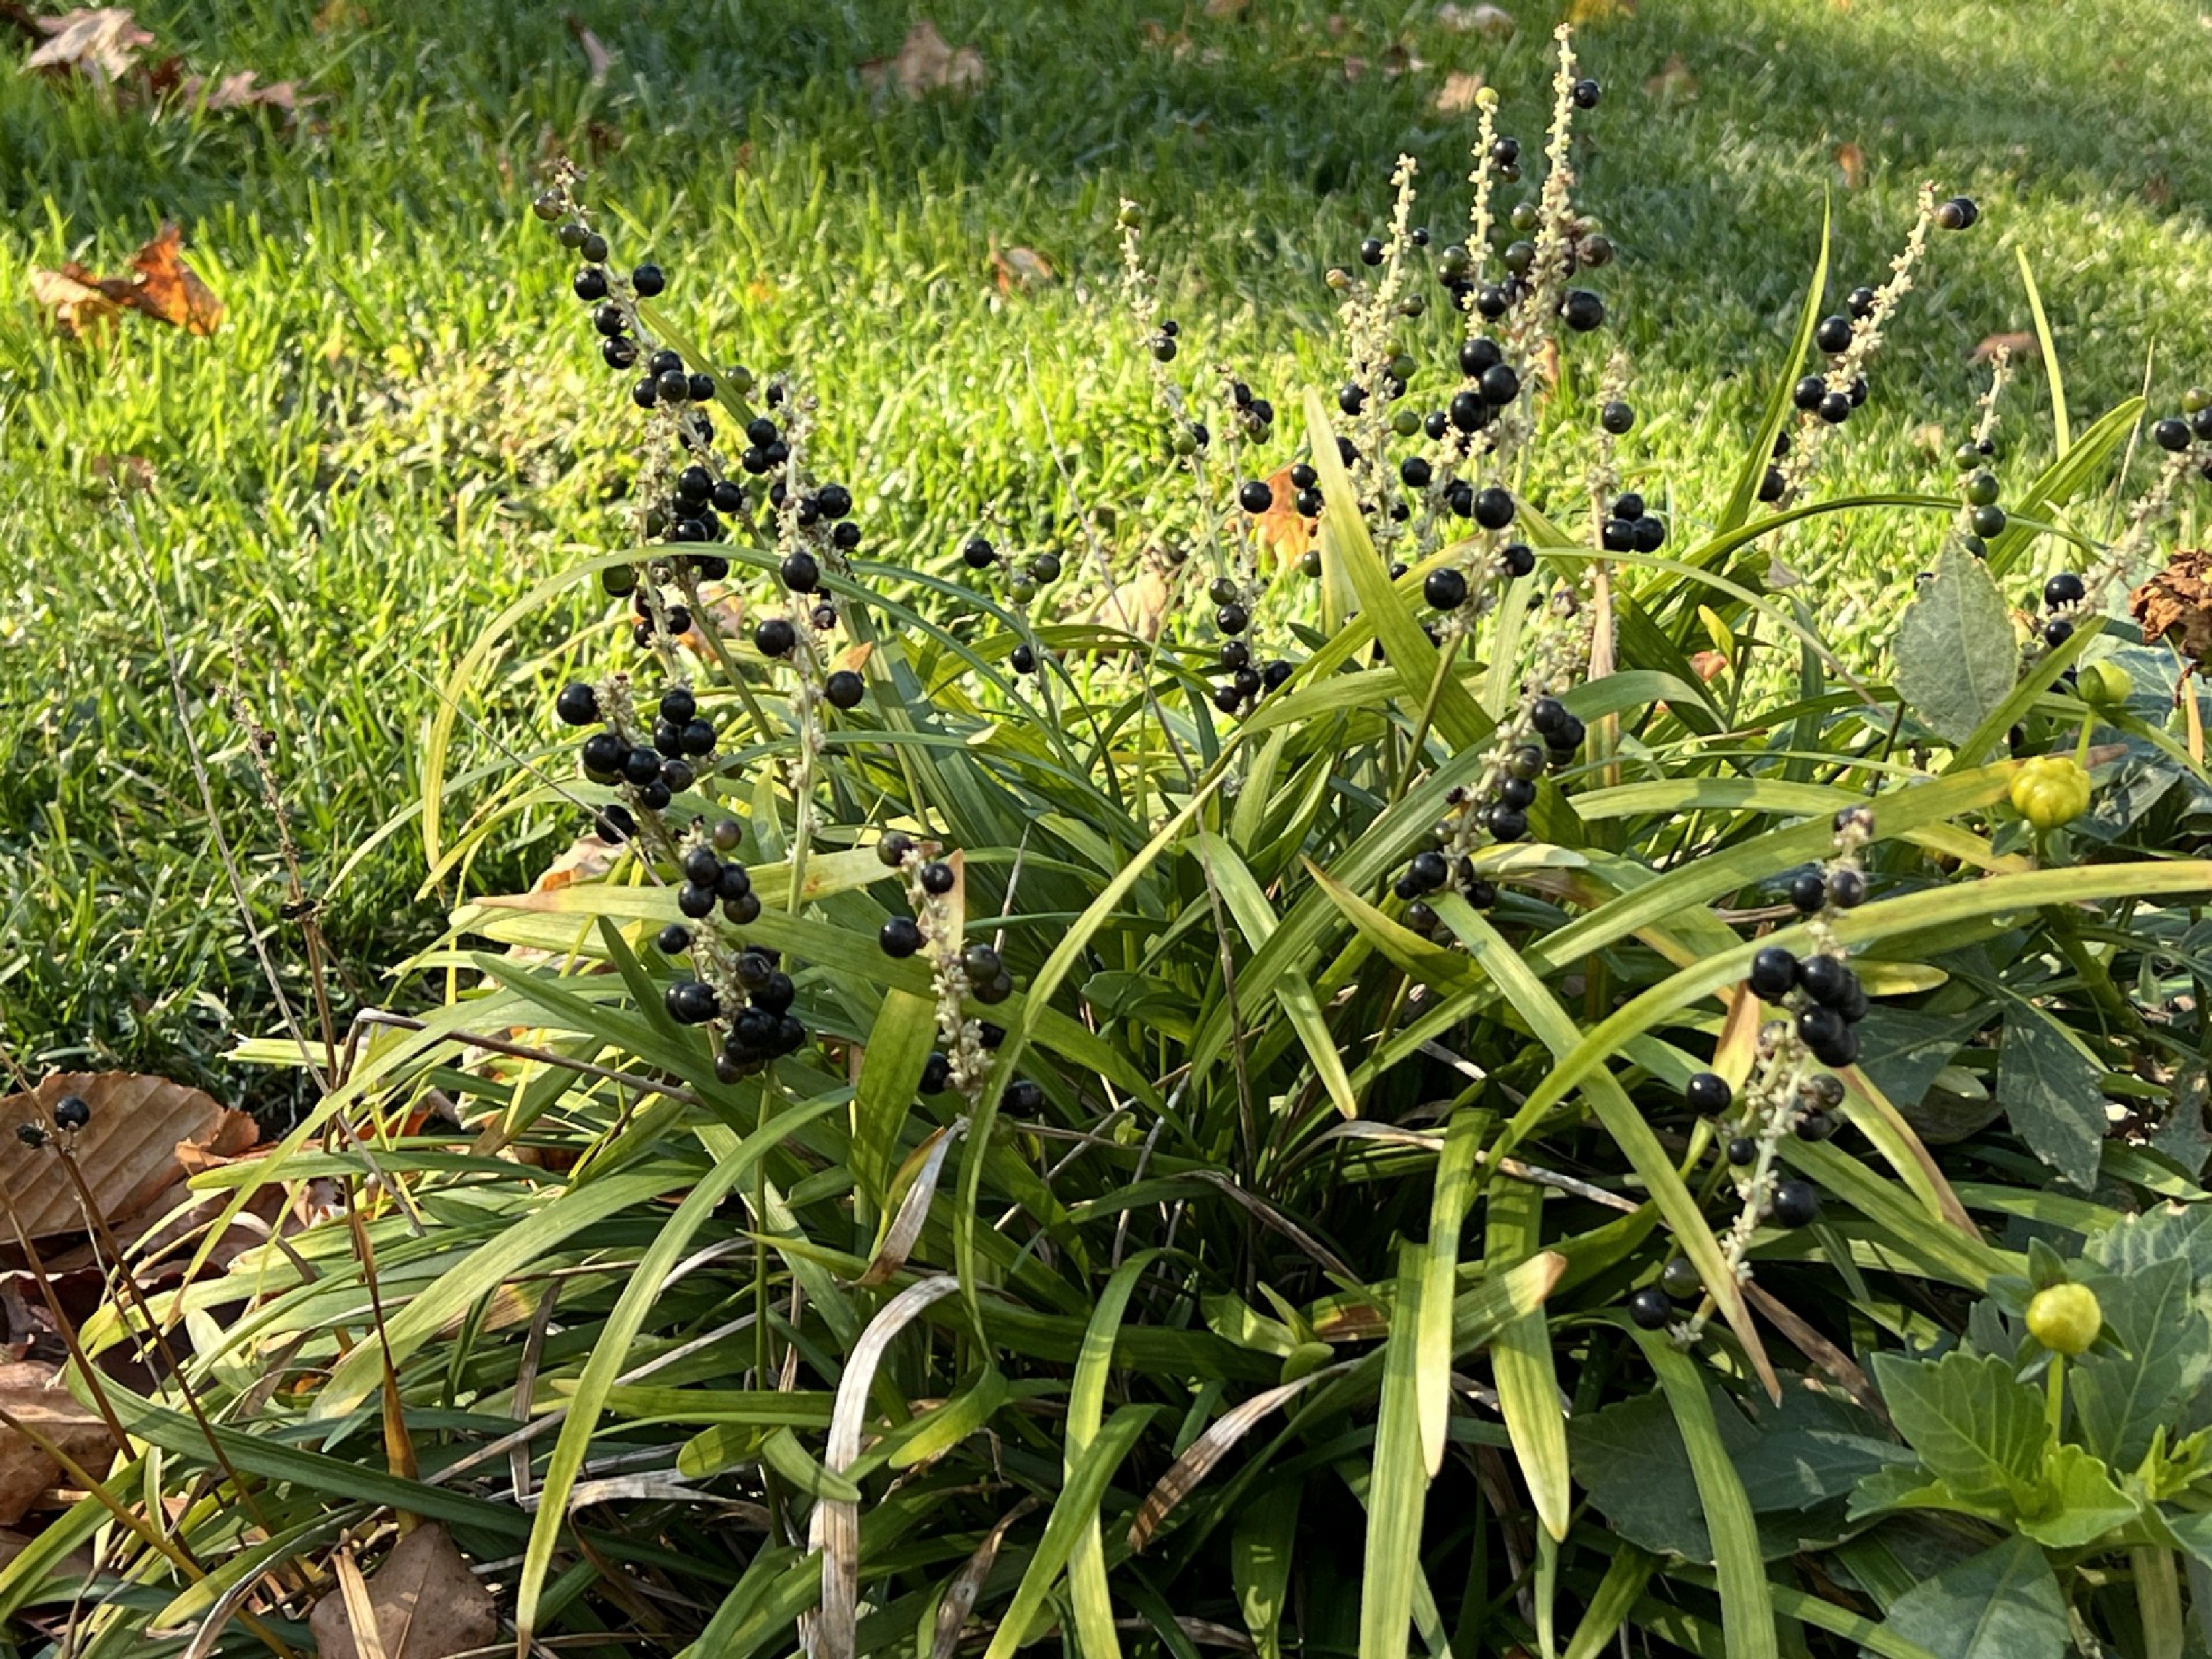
[[899, 1044], [1956, 656], [1260, 1554], [2004, 1603], [1747, 1609], [2077, 1502], [1976, 1429], [2053, 1093], [2158, 1357]]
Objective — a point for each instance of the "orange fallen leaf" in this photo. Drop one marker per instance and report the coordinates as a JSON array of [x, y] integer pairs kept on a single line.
[[101, 43], [1457, 94], [927, 63], [1852, 161], [126, 1153], [2017, 343], [1282, 527], [162, 286], [1018, 267]]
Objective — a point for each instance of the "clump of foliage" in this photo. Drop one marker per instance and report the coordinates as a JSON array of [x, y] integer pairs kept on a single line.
[[1483, 1088]]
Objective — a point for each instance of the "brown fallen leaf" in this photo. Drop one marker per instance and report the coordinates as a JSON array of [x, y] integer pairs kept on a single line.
[[1282, 527], [126, 472], [2017, 343], [425, 1602], [337, 14], [1709, 664], [242, 90], [161, 286], [1018, 267], [1673, 84], [29, 1394], [1457, 94], [927, 63], [1226, 8], [1581, 13], [2178, 601], [1852, 161], [595, 53], [101, 43], [126, 1153]]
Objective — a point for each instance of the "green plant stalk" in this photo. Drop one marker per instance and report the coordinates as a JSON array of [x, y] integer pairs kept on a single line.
[[2158, 1600]]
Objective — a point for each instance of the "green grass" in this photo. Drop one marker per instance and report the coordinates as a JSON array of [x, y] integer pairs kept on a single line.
[[402, 422]]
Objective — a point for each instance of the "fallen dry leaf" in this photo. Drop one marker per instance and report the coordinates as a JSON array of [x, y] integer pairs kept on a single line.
[[2178, 601], [1851, 161], [242, 90], [1457, 94], [1018, 267], [161, 286], [102, 44], [1931, 436], [1222, 8], [124, 471], [28, 1394], [587, 859], [1673, 84], [1491, 22], [1282, 527], [126, 1154], [426, 1603], [1709, 664], [595, 53], [1581, 13], [340, 14], [2016, 343], [927, 63]]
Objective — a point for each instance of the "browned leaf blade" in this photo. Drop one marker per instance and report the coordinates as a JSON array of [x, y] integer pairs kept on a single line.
[[427, 1605], [73, 301], [927, 63], [130, 1153]]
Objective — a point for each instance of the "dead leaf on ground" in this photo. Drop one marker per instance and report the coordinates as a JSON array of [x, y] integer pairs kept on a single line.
[[1582, 13], [29, 1394], [1018, 267], [595, 53], [161, 285], [127, 1153], [587, 859], [1930, 436], [1491, 22], [1457, 94], [1673, 84], [102, 42], [2017, 343], [1226, 8], [1282, 527], [242, 90], [426, 1603], [927, 63], [124, 471], [2178, 601], [1852, 161], [339, 14]]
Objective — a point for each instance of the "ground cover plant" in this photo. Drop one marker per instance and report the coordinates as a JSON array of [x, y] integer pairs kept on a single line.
[[1430, 1040]]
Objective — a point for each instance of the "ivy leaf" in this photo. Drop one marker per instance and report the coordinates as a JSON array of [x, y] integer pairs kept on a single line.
[[2078, 1502], [1976, 1429], [2164, 1350], [2053, 1094], [1956, 658], [2004, 1603]]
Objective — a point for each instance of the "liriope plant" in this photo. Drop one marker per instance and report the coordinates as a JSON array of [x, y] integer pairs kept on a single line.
[[1414, 1060]]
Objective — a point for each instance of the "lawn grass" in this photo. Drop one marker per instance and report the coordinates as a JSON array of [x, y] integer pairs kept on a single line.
[[402, 423]]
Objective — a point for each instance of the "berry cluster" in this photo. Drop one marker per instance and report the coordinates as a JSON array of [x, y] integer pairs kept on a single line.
[[652, 770], [1023, 580], [959, 972], [1631, 529]]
